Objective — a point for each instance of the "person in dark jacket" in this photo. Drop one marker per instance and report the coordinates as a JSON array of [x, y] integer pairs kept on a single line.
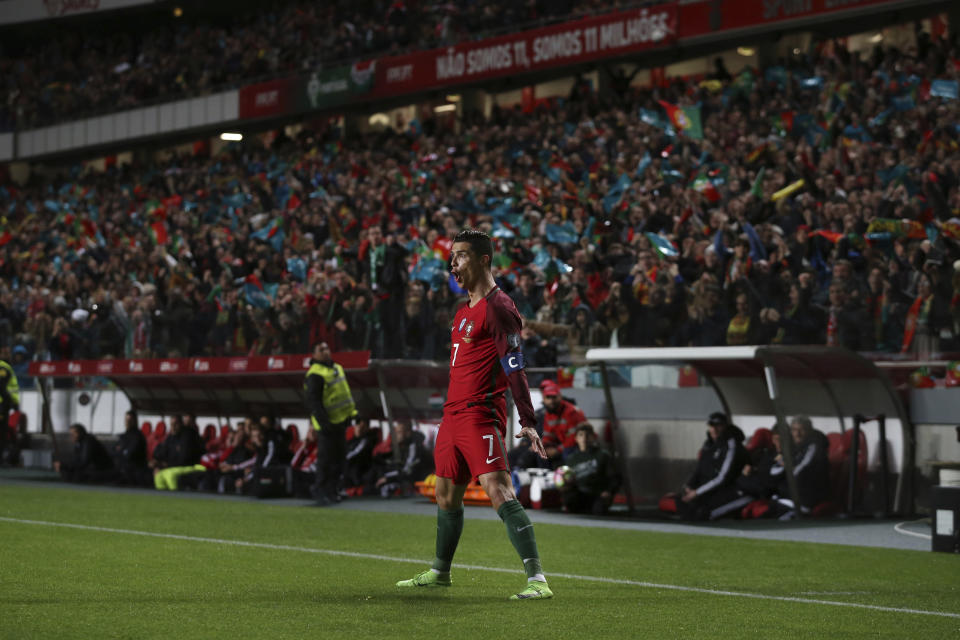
[[241, 454], [711, 491], [266, 477], [811, 468], [358, 469], [847, 322], [798, 322], [130, 452], [182, 447], [766, 479], [593, 478], [90, 463], [179, 454], [415, 462]]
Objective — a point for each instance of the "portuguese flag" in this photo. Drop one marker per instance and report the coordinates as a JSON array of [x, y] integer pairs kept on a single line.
[[158, 231], [685, 120]]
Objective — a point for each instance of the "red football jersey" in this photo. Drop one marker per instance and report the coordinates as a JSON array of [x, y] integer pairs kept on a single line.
[[484, 349]]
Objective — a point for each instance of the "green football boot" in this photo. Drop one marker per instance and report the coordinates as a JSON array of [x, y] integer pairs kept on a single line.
[[534, 591], [428, 578]]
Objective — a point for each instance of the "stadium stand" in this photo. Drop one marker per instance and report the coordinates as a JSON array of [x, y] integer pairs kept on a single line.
[[70, 73], [261, 250]]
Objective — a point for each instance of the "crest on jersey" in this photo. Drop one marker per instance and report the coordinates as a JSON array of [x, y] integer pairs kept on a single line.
[[467, 331]]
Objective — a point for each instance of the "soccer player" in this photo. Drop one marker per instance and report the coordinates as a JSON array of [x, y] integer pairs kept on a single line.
[[485, 357]]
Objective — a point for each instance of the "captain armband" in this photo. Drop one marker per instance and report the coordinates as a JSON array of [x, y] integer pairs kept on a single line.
[[513, 361]]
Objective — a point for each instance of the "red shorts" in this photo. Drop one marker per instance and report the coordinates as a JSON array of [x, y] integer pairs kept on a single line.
[[469, 444]]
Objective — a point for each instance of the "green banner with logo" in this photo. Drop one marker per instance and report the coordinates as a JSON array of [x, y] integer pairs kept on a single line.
[[333, 87]]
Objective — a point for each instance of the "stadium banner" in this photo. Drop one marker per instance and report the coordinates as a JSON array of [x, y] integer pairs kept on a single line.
[[190, 366], [265, 99], [19, 11], [593, 38], [705, 17], [333, 87]]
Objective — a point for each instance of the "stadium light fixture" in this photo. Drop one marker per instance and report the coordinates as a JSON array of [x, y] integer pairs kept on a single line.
[[231, 137], [746, 51], [454, 97], [443, 108], [379, 119], [177, 12], [876, 38]]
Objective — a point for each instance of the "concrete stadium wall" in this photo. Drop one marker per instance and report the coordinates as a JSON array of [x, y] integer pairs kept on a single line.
[[130, 125]]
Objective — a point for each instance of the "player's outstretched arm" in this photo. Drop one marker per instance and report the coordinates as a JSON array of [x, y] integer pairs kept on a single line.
[[506, 325]]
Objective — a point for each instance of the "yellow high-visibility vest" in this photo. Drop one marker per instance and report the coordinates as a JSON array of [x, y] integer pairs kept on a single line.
[[13, 387], [337, 399]]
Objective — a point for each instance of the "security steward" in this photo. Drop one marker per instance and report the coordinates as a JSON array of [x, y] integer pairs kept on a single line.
[[9, 401], [331, 408]]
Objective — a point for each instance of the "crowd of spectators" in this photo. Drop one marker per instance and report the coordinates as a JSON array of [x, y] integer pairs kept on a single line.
[[73, 72], [611, 228]]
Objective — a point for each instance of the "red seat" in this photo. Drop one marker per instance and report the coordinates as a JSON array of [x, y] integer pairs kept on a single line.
[[210, 440], [17, 422], [293, 433], [839, 455], [668, 503], [756, 509], [146, 429], [209, 433], [825, 509], [762, 438], [159, 433]]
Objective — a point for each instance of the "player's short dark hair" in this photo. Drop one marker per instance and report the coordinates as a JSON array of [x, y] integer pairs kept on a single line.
[[479, 241]]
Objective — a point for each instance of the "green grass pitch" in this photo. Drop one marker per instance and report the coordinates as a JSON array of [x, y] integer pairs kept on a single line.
[[60, 582]]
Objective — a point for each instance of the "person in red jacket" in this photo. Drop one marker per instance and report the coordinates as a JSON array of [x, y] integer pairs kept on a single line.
[[561, 417]]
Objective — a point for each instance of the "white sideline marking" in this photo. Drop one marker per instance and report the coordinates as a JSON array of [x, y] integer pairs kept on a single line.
[[571, 576], [898, 528]]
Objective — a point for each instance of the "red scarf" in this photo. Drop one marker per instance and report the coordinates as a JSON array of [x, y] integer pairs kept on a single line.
[[913, 315]]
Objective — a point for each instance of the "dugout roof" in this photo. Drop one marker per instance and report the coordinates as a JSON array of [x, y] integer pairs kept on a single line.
[[261, 385]]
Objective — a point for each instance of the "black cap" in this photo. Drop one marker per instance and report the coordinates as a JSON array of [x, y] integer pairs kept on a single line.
[[718, 419]]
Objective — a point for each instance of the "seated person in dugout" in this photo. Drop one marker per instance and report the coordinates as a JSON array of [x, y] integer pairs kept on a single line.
[[130, 453], [416, 461], [592, 480], [711, 491], [178, 455], [302, 470], [358, 468], [266, 475], [90, 462], [811, 468]]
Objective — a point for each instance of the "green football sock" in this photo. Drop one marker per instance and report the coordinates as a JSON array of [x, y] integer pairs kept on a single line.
[[449, 528], [520, 532]]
